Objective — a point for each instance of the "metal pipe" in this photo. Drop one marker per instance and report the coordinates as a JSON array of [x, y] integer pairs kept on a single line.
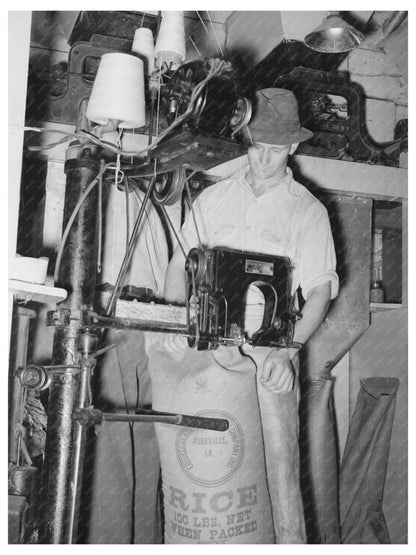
[[79, 449], [151, 116], [77, 275], [393, 22], [95, 417], [18, 356]]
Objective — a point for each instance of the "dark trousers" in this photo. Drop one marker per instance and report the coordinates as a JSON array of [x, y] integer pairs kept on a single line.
[[121, 502]]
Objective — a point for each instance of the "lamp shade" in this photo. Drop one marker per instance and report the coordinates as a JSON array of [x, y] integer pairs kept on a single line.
[[118, 91], [334, 35], [170, 43]]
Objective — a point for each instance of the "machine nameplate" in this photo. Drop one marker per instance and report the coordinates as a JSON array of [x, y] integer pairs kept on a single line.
[[259, 267]]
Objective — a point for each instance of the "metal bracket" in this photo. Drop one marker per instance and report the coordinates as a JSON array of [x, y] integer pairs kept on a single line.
[[64, 316], [57, 318]]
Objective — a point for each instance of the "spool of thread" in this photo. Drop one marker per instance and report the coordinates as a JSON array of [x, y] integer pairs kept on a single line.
[[144, 47], [118, 91], [170, 45]]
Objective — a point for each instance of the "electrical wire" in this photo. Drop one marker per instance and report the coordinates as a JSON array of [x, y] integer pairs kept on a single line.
[[158, 104], [37, 148], [203, 23], [215, 33], [52, 130], [195, 46], [72, 218], [109, 146], [249, 135], [34, 148], [76, 135]]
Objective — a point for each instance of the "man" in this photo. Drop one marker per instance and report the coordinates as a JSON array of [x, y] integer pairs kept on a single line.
[[122, 502], [264, 210]]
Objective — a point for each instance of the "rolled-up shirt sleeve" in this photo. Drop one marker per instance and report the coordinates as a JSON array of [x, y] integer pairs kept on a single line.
[[316, 252]]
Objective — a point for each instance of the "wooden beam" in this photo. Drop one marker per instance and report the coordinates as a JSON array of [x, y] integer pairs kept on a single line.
[[151, 311], [378, 182]]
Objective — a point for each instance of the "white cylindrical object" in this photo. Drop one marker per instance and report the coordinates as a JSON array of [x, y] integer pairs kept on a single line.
[[30, 270], [144, 47], [118, 91], [377, 254], [170, 44]]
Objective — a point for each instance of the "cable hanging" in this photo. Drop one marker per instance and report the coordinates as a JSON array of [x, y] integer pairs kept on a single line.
[[72, 219], [215, 34]]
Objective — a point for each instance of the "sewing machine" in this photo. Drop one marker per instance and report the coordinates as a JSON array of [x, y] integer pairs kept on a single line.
[[218, 280]]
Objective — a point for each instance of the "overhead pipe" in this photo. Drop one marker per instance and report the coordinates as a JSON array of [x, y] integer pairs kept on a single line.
[[393, 22]]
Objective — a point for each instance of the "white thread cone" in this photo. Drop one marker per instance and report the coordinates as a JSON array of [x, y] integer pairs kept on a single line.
[[170, 44], [144, 47], [118, 91]]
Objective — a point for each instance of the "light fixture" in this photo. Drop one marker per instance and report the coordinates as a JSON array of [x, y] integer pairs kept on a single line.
[[334, 35]]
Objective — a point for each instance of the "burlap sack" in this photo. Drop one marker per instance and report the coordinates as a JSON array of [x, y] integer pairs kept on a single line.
[[214, 483]]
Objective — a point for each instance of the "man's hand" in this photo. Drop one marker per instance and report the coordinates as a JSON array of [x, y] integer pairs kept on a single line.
[[278, 375]]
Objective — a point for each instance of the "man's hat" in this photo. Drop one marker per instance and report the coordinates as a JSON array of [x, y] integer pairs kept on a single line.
[[276, 118]]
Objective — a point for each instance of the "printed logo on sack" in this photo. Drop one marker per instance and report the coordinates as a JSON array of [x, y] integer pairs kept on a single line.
[[210, 458]]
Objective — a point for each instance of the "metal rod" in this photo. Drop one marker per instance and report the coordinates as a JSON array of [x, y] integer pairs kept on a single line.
[[96, 417], [151, 117], [79, 446], [18, 355], [166, 419], [130, 250]]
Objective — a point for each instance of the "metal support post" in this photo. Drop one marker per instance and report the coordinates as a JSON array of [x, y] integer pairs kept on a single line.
[[77, 275]]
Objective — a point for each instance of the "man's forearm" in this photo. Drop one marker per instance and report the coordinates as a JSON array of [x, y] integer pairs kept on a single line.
[[277, 372], [313, 314]]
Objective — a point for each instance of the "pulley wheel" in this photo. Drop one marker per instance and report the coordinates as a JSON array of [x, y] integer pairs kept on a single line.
[[168, 187], [196, 265], [242, 114]]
